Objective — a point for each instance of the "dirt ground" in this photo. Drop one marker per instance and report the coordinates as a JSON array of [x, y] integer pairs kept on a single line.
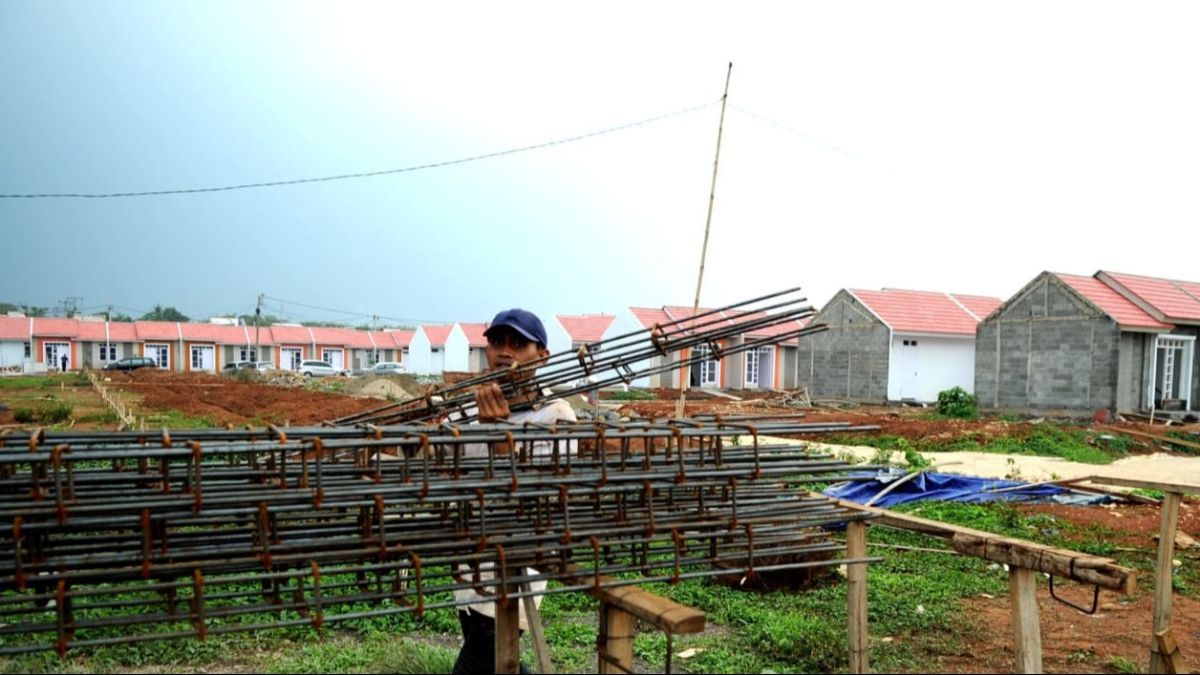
[[1075, 642], [228, 401]]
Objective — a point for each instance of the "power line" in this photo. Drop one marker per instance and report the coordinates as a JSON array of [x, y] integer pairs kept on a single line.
[[811, 139], [365, 174]]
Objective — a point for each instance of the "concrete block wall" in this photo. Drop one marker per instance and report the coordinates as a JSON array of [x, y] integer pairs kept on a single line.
[[850, 360], [1047, 348]]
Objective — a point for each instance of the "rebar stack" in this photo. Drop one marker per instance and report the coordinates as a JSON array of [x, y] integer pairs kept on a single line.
[[128, 536], [617, 360]]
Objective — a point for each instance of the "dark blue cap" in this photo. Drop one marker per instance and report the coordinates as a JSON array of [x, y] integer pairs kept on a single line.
[[524, 322]]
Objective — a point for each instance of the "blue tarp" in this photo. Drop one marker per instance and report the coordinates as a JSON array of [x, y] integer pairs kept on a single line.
[[950, 487]]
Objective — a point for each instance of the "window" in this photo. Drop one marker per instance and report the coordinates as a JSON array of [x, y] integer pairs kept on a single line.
[[28, 350], [108, 352], [197, 362], [248, 354], [910, 343]]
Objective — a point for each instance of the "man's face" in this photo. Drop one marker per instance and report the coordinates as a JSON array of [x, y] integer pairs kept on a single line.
[[506, 347]]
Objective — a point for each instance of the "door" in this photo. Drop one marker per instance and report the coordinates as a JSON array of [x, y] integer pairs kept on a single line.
[[290, 358], [706, 372], [55, 352], [437, 361], [910, 367], [766, 367], [204, 357], [334, 357], [161, 355]]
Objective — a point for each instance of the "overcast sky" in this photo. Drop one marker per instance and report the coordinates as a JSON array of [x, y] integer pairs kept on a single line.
[[950, 146]]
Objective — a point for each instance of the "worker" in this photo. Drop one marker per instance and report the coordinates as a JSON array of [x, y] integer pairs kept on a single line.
[[515, 337]]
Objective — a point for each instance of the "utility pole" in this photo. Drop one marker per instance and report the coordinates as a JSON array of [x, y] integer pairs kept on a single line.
[[375, 329], [712, 193], [257, 321], [107, 330]]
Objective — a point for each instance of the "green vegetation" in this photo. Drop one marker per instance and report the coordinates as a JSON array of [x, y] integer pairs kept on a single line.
[[50, 413], [174, 419], [1046, 440], [957, 403], [160, 313], [631, 395]]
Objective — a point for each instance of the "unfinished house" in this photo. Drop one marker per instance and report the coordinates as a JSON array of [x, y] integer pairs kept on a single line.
[[1110, 341], [892, 345]]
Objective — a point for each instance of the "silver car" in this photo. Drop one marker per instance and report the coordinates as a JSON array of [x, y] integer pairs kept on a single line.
[[317, 369]]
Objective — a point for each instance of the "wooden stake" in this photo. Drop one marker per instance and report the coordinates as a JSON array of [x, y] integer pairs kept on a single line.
[[614, 648], [1162, 579], [856, 575], [540, 649], [1172, 659], [508, 631], [1027, 630]]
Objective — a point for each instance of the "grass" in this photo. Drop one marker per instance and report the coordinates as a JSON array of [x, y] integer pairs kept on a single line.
[[174, 419], [630, 395], [1046, 440]]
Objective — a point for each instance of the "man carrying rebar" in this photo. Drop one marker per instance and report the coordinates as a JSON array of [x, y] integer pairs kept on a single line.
[[515, 338]]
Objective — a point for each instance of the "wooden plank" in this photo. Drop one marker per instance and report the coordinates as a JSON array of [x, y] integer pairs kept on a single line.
[[1156, 437], [508, 631], [856, 576], [1103, 572], [655, 610], [1027, 629], [540, 649], [1190, 488], [1172, 659], [1162, 577], [614, 648]]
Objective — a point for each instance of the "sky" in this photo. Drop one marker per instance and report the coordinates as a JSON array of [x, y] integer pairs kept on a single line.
[[947, 146]]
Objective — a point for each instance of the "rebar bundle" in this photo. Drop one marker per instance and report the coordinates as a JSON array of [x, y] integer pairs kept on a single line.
[[128, 536], [617, 360]]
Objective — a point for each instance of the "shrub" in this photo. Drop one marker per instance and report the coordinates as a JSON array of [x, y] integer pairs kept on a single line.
[[957, 403], [631, 395], [24, 415], [50, 414]]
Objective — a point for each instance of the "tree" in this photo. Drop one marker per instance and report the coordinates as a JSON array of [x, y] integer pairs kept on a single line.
[[160, 313], [263, 319], [124, 318]]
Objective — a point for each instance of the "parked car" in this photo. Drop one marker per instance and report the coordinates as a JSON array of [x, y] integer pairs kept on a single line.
[[131, 363], [317, 369], [381, 368], [235, 365]]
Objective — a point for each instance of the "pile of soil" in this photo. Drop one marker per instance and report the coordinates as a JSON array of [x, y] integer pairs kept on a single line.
[[227, 401]]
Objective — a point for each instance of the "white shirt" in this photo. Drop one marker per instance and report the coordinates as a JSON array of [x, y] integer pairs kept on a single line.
[[549, 412]]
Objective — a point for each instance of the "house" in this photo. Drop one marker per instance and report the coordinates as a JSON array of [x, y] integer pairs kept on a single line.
[[293, 344], [332, 345], [16, 343], [53, 339], [476, 346], [892, 345], [761, 369], [580, 329], [161, 341], [200, 345], [400, 338], [437, 348], [1109, 341], [102, 342]]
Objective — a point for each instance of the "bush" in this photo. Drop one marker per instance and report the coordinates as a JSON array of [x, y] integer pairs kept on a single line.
[[24, 415], [50, 414], [631, 395], [957, 403]]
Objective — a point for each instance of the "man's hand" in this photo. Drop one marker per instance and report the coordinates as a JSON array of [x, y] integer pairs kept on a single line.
[[493, 407]]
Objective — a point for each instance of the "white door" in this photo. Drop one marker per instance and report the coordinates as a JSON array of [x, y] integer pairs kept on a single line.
[[707, 370], [55, 352], [766, 367], [204, 357], [334, 357], [910, 384], [751, 368], [437, 362], [161, 355], [290, 358]]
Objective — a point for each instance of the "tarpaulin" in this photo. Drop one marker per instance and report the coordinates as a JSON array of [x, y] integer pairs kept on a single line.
[[950, 487]]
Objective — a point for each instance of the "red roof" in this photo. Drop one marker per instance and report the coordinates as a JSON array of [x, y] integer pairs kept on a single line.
[[91, 330], [923, 311], [334, 337], [1178, 300], [1118, 308], [43, 326], [393, 338], [587, 328], [291, 335], [437, 334], [122, 331], [14, 328], [979, 305], [156, 330], [210, 332], [474, 333]]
